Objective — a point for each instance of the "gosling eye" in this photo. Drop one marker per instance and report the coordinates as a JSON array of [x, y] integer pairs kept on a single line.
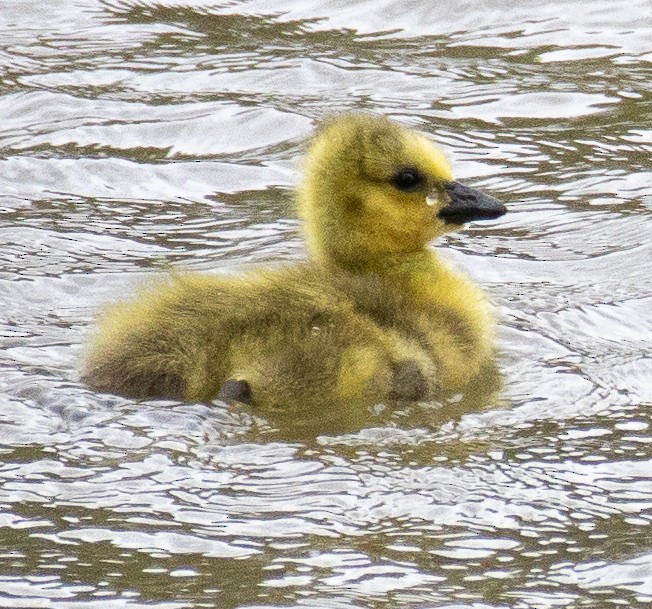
[[408, 180]]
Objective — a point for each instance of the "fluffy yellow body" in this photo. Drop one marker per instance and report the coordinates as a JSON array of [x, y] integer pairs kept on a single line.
[[373, 316]]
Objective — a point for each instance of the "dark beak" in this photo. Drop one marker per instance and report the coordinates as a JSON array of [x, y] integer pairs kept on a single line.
[[467, 204]]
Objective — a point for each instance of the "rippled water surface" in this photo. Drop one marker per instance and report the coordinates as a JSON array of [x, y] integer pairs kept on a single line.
[[138, 135]]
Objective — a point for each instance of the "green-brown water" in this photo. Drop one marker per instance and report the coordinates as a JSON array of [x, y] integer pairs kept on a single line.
[[136, 135]]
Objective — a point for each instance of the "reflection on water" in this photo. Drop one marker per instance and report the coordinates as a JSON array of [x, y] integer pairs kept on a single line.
[[138, 134]]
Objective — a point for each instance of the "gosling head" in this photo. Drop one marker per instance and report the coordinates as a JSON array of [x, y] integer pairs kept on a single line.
[[374, 189]]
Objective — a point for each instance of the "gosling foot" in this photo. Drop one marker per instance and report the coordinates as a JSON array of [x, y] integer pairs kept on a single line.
[[409, 383], [235, 391]]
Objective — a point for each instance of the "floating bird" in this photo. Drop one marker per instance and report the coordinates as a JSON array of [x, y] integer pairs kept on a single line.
[[374, 315]]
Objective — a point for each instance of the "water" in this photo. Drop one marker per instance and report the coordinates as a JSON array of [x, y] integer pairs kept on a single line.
[[138, 136]]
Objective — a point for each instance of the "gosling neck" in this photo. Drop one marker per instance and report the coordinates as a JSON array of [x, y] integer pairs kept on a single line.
[[394, 266]]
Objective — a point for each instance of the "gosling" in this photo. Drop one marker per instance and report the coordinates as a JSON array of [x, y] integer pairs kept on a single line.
[[374, 315]]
